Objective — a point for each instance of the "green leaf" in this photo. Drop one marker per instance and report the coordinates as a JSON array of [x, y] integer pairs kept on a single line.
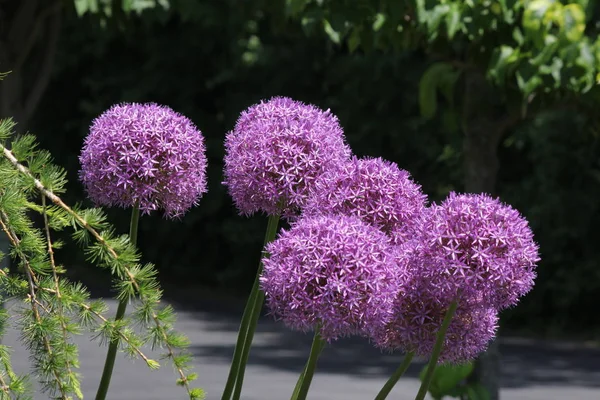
[[572, 22], [354, 40], [83, 6], [501, 59], [197, 394], [528, 84], [554, 70], [380, 19], [153, 364], [453, 20], [333, 35], [477, 392], [447, 378], [294, 8], [535, 18], [518, 36], [546, 52], [436, 76], [434, 19], [421, 12], [534, 13]]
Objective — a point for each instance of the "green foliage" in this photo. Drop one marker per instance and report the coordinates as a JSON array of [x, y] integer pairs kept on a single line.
[[439, 77], [106, 6], [451, 381], [533, 46], [53, 308]]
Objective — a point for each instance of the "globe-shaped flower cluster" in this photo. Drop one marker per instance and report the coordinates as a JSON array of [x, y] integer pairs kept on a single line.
[[374, 190], [336, 273], [419, 311], [276, 151], [146, 155], [475, 247]]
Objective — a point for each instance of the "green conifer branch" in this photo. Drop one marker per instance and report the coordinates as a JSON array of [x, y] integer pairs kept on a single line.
[[152, 364], [17, 385], [15, 241], [4, 387], [179, 362], [74, 377]]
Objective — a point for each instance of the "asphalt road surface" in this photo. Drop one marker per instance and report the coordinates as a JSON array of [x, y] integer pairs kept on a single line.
[[347, 370]]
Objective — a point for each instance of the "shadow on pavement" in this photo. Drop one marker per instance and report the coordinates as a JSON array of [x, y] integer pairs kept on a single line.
[[524, 362]]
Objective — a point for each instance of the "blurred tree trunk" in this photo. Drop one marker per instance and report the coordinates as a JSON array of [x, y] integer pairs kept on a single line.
[[485, 120], [29, 31]]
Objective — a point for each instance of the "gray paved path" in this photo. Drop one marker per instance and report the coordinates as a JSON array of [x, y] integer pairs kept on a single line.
[[348, 370]]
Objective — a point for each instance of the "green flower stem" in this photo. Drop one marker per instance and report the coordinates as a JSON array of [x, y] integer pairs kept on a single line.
[[389, 385], [258, 302], [237, 354], [437, 349], [114, 343], [307, 375], [299, 383], [248, 325]]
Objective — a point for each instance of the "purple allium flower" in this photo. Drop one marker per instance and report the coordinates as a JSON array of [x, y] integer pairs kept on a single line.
[[332, 272], [476, 247], [146, 154], [276, 151], [469, 332], [419, 311], [372, 189]]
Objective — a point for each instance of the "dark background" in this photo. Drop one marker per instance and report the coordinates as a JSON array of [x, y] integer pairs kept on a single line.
[[210, 60]]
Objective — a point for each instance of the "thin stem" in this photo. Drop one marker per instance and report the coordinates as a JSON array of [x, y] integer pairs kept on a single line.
[[239, 345], [299, 383], [114, 342], [437, 349], [259, 299], [389, 385], [133, 225], [241, 353], [315, 351]]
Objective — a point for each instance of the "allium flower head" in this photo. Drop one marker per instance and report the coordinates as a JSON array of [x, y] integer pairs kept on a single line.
[[332, 272], [372, 189], [478, 247], [146, 154], [469, 332], [276, 151], [420, 309]]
